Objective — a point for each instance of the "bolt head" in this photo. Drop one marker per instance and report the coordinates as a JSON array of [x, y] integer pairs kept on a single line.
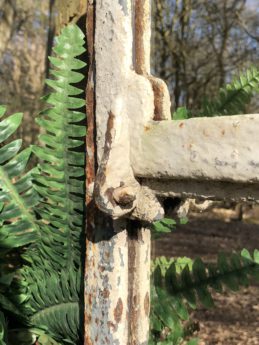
[[124, 196]]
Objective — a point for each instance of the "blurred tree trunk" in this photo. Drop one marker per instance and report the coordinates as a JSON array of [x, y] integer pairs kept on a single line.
[[7, 15], [24, 33], [69, 11]]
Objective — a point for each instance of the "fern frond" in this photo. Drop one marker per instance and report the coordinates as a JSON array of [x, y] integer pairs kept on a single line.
[[174, 293], [164, 263], [54, 302], [52, 279], [234, 97], [60, 180], [18, 226]]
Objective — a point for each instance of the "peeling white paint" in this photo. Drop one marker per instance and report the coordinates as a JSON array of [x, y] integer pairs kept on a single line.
[[205, 149], [106, 290], [124, 103], [124, 95]]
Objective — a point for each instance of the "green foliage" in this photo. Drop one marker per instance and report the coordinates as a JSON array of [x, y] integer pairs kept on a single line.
[[159, 227], [181, 113], [45, 297], [177, 289], [165, 226], [232, 99], [235, 96], [164, 263], [17, 197], [60, 180], [53, 277], [3, 328], [54, 302], [18, 225]]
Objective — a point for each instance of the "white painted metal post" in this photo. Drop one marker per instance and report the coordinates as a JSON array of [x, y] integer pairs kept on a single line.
[[117, 276]]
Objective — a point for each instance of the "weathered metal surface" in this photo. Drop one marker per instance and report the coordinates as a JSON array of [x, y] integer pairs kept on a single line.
[[91, 214], [126, 95], [123, 95], [106, 284], [139, 286], [90, 106], [118, 252], [142, 33], [206, 149], [117, 283], [211, 190]]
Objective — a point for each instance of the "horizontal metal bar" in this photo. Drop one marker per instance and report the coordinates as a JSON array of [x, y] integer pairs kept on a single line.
[[215, 190], [204, 149]]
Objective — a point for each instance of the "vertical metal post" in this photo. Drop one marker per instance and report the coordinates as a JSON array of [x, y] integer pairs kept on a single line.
[[117, 270]]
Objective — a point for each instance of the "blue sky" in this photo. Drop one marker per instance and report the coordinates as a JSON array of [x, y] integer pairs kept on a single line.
[[253, 4]]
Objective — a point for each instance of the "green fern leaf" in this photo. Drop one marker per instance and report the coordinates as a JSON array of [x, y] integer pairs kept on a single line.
[[234, 97], [60, 180], [17, 197], [174, 291], [181, 113], [53, 277], [54, 302]]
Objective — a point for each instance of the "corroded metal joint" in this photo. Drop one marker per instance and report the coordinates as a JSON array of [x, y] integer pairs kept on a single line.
[[131, 99], [124, 196]]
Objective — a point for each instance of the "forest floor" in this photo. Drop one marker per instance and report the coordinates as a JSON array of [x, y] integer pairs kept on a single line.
[[235, 320]]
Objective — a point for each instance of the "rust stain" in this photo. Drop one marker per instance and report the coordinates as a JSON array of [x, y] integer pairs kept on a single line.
[[158, 87], [111, 325], [90, 104], [101, 268], [223, 132], [88, 318], [105, 293], [89, 299], [147, 304], [118, 311], [181, 125], [90, 163], [88, 341], [110, 125], [141, 22], [102, 172], [135, 300], [146, 128]]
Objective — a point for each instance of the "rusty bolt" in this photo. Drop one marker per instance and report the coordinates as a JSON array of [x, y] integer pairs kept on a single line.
[[123, 195]]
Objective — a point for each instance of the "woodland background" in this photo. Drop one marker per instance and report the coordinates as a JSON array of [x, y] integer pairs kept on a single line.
[[197, 47]]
